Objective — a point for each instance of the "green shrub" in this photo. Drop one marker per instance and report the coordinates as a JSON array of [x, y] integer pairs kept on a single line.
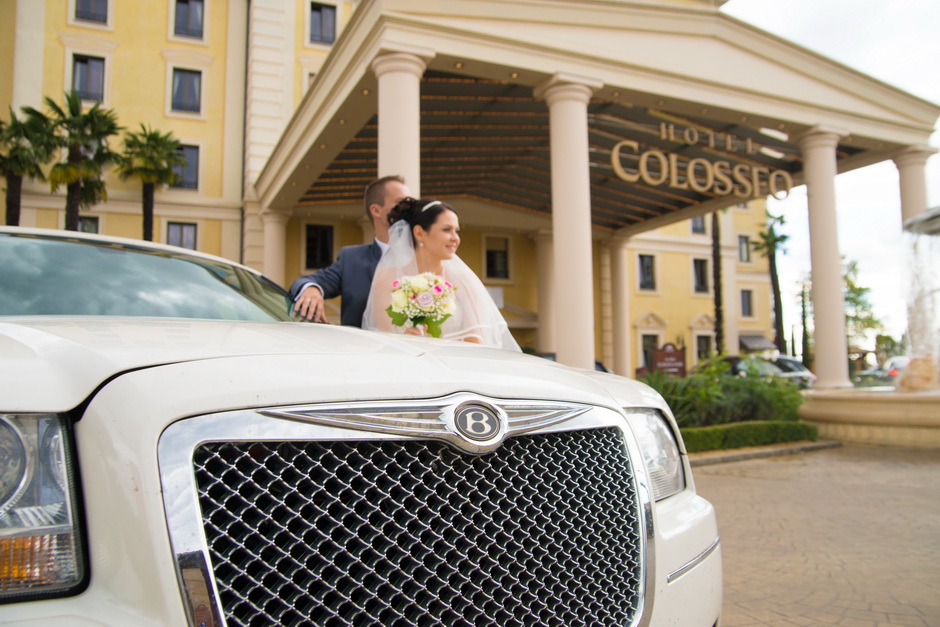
[[742, 434], [710, 396]]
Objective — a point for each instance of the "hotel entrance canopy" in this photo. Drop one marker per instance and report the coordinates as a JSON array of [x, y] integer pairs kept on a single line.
[[683, 79], [592, 119]]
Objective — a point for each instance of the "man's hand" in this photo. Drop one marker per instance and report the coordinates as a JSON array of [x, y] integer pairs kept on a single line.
[[309, 305]]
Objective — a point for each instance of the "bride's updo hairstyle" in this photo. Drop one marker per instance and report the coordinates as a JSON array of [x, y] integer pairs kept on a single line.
[[421, 212]]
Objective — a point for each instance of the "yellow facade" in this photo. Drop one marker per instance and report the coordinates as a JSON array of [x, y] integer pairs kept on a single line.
[[140, 53]]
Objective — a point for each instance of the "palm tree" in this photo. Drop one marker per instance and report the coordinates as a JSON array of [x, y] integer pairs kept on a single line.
[[769, 242], [150, 156], [717, 286], [84, 138], [26, 146]]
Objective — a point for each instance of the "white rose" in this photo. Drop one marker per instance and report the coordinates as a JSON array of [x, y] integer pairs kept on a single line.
[[419, 284], [399, 301]]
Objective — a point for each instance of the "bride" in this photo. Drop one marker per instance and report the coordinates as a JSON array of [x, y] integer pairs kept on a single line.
[[423, 237]]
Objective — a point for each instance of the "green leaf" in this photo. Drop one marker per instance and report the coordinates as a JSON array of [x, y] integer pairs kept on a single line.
[[398, 319], [434, 326]]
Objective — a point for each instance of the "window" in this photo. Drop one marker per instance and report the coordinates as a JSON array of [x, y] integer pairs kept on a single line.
[[700, 270], [747, 304], [703, 347], [187, 175], [187, 86], [189, 18], [88, 224], [92, 11], [647, 272], [181, 234], [650, 344], [88, 77], [319, 246], [322, 23], [698, 224], [497, 257], [744, 248]]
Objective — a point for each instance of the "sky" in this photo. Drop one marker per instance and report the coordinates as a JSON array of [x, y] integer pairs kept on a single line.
[[896, 42]]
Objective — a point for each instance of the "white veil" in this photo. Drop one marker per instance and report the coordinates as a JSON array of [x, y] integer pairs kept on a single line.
[[477, 316]]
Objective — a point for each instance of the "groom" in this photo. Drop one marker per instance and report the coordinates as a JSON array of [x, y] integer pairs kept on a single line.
[[350, 276]]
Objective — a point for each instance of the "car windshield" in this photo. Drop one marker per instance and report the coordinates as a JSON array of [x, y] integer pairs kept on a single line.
[[61, 276], [790, 365]]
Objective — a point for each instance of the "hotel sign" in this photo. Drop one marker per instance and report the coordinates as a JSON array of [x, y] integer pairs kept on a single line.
[[657, 167]]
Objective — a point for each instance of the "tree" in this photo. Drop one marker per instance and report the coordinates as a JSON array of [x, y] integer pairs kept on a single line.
[[804, 320], [859, 318], [767, 245], [84, 138], [25, 146], [886, 346], [150, 156], [717, 286]]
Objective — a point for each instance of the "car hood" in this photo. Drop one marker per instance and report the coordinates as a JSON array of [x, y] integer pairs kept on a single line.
[[56, 363]]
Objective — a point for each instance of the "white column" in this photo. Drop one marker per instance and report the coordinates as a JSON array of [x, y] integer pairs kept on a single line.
[[275, 234], [567, 99], [620, 283], [544, 252], [605, 316], [399, 136], [831, 346], [912, 164], [28, 46]]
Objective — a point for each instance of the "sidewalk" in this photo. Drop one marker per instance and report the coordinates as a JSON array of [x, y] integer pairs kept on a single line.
[[845, 535], [707, 458]]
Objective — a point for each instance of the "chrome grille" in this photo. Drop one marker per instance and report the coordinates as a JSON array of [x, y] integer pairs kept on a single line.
[[543, 531]]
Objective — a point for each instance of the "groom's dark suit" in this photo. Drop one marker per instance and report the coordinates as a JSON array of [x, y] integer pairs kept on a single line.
[[350, 276]]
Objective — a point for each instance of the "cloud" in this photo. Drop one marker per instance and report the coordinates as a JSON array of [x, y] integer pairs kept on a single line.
[[895, 43]]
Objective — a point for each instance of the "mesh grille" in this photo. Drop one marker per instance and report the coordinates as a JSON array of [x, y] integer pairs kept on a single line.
[[543, 531]]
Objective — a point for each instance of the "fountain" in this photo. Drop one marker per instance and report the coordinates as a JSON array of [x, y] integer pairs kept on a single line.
[[922, 373], [909, 414]]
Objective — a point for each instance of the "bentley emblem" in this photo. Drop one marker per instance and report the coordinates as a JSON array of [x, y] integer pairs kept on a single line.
[[469, 422], [476, 422]]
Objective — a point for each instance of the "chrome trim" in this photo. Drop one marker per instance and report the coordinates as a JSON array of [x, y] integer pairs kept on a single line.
[[435, 419], [698, 559], [337, 421]]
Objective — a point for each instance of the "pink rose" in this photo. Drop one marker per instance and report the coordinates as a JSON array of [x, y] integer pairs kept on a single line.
[[425, 300], [396, 284]]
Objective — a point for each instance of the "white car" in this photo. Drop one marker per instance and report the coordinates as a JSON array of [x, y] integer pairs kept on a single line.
[[175, 451]]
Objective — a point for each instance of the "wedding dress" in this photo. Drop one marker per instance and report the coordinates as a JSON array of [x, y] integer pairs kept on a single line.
[[476, 315]]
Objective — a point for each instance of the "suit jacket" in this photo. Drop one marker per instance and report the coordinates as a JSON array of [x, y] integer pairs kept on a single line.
[[350, 276]]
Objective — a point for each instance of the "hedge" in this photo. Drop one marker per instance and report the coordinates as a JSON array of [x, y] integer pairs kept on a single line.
[[710, 396], [741, 434]]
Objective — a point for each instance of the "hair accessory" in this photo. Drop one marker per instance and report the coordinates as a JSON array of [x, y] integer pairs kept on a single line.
[[430, 204]]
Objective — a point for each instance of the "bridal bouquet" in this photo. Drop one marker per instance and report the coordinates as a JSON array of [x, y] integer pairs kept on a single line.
[[422, 299]]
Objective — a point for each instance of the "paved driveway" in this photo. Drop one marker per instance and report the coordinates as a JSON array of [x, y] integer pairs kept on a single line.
[[841, 536]]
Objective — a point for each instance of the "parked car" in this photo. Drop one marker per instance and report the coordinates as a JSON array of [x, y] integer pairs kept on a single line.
[[175, 451], [885, 374], [752, 365], [796, 368]]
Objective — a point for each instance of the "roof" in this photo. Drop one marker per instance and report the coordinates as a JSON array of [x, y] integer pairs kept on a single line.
[[669, 74], [755, 343]]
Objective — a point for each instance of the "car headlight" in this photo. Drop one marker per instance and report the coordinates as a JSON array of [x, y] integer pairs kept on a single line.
[[40, 540], [660, 452]]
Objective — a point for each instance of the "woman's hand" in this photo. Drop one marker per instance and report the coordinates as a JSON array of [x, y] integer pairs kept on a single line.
[[420, 330]]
